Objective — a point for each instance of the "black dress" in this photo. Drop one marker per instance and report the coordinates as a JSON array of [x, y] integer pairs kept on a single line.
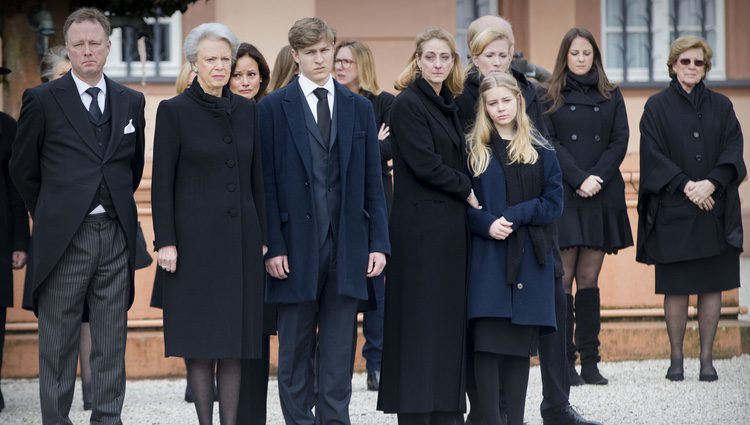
[[687, 137], [590, 133], [208, 200]]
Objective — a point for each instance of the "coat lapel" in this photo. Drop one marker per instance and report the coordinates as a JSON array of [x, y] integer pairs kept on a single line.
[[292, 105], [447, 125], [119, 115], [343, 131], [66, 95]]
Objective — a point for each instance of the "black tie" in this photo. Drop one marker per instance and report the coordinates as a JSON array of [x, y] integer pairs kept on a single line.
[[94, 110], [324, 114]]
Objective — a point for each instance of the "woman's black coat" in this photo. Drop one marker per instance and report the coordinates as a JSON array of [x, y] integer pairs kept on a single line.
[[381, 104], [14, 221], [425, 308], [206, 197], [683, 141], [590, 133]]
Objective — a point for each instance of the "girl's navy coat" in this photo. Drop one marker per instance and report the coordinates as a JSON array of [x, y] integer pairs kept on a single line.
[[532, 300]]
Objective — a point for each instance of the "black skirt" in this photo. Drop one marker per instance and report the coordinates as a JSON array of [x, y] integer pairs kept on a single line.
[[702, 276], [498, 335]]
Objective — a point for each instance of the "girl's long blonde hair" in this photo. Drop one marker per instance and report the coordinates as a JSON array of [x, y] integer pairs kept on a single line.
[[522, 148]]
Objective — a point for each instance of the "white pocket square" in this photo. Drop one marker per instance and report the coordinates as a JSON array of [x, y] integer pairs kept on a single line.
[[130, 128]]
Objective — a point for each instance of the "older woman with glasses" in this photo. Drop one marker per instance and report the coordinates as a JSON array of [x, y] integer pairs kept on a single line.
[[208, 205], [690, 224]]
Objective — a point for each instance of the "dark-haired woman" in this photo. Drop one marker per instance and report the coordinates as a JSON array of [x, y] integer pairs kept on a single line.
[[690, 221], [589, 127], [249, 78]]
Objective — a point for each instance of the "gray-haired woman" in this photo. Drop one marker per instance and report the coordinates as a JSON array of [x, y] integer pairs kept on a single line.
[[208, 205]]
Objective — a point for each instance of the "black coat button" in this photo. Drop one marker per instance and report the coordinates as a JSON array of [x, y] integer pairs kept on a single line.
[[597, 138], [700, 115], [227, 139], [231, 163], [232, 212], [231, 187], [308, 216], [696, 134], [572, 107], [519, 286], [573, 137], [307, 183], [699, 158], [596, 109]]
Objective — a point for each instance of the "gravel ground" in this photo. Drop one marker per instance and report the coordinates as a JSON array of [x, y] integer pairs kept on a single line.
[[637, 394]]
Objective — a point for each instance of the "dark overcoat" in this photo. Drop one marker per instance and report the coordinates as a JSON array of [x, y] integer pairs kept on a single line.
[[14, 220], [425, 307], [590, 133], [530, 301], [288, 174], [57, 165], [207, 199], [381, 104], [680, 141]]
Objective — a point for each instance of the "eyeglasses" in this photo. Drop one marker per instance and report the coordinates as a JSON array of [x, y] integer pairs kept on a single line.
[[344, 63], [697, 62]]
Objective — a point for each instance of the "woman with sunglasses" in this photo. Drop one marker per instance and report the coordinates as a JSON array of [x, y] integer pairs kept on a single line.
[[690, 224], [589, 127]]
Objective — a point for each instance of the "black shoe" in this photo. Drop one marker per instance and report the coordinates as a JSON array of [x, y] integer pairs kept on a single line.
[[575, 378], [373, 380], [188, 393], [590, 374], [676, 372], [86, 396], [566, 416], [708, 374]]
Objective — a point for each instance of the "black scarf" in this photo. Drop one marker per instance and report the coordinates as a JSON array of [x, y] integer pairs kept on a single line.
[[522, 183], [583, 82], [696, 94], [444, 101], [209, 101]]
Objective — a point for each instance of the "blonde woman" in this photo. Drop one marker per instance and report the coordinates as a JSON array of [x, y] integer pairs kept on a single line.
[[284, 69], [425, 308], [511, 293]]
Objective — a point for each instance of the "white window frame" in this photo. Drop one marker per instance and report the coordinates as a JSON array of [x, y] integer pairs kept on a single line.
[[116, 67], [661, 29]]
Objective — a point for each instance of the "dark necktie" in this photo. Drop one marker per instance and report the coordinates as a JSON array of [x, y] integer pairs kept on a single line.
[[324, 114], [94, 110]]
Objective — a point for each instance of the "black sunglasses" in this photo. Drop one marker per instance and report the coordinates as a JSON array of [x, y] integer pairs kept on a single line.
[[697, 62]]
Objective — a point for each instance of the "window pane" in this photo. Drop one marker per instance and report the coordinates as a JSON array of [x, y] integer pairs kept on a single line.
[[638, 50], [637, 13], [613, 50], [614, 13], [130, 44]]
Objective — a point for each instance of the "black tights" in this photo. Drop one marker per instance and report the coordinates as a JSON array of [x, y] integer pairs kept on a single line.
[[583, 265], [676, 316], [499, 375], [201, 376]]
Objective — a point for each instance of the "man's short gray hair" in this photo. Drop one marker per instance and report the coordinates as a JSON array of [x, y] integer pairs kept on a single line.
[[211, 31]]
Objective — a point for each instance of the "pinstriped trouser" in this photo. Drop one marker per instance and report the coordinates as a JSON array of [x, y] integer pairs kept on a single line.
[[93, 268]]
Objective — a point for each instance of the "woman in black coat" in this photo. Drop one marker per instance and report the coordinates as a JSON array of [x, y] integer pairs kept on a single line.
[[14, 227], [589, 127], [207, 200], [689, 218], [425, 310], [354, 67]]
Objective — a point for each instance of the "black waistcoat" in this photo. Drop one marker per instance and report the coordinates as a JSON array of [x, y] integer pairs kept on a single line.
[[326, 174], [103, 131]]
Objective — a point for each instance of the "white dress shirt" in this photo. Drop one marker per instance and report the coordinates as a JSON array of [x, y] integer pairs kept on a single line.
[[86, 99], [308, 87]]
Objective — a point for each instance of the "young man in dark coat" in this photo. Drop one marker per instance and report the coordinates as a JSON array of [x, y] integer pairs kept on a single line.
[[327, 224], [77, 160], [14, 230]]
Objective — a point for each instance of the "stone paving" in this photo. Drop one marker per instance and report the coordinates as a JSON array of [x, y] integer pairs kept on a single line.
[[637, 394]]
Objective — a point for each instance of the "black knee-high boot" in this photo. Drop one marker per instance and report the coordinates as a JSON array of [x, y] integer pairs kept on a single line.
[[570, 346], [588, 325]]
